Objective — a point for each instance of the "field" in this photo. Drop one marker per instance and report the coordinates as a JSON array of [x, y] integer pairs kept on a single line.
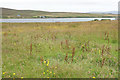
[[60, 50]]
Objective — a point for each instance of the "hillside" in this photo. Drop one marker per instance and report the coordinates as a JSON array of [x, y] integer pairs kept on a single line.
[[108, 12], [12, 13]]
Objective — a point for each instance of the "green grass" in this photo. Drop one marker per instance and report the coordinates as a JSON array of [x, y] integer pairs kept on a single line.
[[49, 43]]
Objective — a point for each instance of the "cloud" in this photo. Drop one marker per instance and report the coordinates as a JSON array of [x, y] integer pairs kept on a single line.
[[62, 5]]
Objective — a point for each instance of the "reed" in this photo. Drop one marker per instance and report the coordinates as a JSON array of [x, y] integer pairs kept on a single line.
[[107, 37], [103, 62], [31, 49], [103, 50], [86, 47], [67, 45], [73, 53], [66, 57], [61, 44]]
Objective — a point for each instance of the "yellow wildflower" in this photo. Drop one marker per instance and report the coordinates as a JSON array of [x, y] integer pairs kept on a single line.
[[47, 77], [50, 72], [9, 76], [47, 70], [93, 77], [48, 62], [45, 62], [21, 77], [13, 73], [43, 72], [4, 72], [54, 73]]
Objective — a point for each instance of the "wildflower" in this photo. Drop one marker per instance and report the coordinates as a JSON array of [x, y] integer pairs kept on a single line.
[[13, 73], [47, 77], [45, 62], [9, 76], [50, 72], [43, 72], [54, 73], [47, 70], [93, 77], [21, 77], [4, 72]]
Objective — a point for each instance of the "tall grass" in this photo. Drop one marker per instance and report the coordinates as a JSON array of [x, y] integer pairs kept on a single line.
[[58, 50]]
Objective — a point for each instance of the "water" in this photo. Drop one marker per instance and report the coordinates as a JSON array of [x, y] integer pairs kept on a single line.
[[51, 20]]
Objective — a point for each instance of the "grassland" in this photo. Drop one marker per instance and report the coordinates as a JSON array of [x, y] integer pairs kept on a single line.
[[60, 50], [12, 13]]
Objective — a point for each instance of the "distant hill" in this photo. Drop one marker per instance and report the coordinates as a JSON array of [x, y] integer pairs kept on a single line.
[[109, 12], [13, 13]]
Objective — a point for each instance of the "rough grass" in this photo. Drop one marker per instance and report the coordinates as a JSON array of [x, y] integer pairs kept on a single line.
[[26, 47]]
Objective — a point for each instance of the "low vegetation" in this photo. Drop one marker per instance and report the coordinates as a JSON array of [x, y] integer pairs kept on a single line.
[[60, 50]]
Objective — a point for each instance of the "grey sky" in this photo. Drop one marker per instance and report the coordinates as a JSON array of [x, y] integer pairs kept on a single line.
[[62, 5]]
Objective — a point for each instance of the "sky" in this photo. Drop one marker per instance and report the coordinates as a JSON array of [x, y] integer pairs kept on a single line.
[[62, 5]]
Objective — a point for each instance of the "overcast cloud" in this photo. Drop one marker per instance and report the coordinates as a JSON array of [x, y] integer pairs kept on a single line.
[[62, 5]]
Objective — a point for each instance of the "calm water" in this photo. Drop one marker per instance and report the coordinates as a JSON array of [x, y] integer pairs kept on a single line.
[[51, 20]]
